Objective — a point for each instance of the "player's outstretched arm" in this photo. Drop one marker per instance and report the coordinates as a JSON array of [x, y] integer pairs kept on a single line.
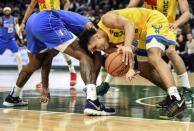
[[185, 14], [66, 4], [1, 21], [27, 14], [17, 28], [133, 3], [46, 66]]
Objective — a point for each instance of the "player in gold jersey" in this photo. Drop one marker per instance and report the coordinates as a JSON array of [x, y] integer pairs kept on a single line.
[[150, 27], [46, 5], [168, 8]]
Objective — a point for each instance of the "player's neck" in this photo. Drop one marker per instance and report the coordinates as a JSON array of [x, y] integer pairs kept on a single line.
[[7, 16], [103, 33]]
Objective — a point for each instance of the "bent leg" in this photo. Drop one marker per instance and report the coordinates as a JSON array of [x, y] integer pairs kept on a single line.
[[35, 62], [147, 71]]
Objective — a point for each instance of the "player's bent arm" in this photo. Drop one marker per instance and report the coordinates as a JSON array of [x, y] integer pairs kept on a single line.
[[66, 4], [185, 14], [115, 21], [29, 11], [133, 3], [17, 28]]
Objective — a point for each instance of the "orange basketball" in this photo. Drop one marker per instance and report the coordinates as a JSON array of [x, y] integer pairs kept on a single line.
[[114, 65]]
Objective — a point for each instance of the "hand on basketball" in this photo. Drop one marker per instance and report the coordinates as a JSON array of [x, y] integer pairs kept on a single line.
[[127, 53]]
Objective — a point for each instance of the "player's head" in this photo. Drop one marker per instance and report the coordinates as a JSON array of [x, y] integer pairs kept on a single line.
[[7, 11], [98, 42], [91, 40]]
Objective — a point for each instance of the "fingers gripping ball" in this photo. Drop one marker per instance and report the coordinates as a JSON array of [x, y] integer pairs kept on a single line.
[[115, 66]]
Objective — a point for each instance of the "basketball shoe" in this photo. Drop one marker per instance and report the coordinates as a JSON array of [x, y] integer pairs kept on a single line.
[[183, 91], [175, 109], [11, 101], [97, 108]]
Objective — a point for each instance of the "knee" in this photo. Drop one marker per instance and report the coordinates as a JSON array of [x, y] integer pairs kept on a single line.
[[32, 68], [153, 59], [171, 51]]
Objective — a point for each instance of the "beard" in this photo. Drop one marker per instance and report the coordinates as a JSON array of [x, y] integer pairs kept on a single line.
[[7, 15]]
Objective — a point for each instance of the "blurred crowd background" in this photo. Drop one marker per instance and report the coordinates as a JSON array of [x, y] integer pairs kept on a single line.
[[93, 9]]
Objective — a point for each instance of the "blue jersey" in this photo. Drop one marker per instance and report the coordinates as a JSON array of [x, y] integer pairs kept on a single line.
[[7, 29]]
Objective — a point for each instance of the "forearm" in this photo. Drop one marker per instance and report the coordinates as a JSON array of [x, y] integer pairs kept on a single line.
[[66, 4], [183, 18], [46, 66], [45, 74], [133, 3], [185, 14], [29, 11], [97, 63], [129, 34], [17, 31]]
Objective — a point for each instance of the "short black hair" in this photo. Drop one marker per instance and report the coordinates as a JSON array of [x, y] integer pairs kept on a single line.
[[85, 37]]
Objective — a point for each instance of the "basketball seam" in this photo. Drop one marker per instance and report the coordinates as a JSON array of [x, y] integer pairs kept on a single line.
[[117, 66], [112, 61]]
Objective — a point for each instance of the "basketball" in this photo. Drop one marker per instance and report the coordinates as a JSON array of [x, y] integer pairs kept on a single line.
[[114, 65]]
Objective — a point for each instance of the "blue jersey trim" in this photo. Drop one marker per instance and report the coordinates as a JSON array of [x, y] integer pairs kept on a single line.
[[160, 38]]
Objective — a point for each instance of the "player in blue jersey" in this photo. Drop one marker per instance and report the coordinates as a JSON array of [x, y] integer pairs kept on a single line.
[[8, 27], [58, 31]]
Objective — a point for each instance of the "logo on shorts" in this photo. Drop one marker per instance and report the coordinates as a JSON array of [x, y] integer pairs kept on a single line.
[[157, 28], [62, 32]]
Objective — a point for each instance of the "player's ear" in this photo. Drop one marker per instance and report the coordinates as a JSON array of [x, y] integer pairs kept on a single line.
[[97, 36]]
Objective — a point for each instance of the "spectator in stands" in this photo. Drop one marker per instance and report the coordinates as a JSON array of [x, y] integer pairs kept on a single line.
[[190, 51], [181, 48]]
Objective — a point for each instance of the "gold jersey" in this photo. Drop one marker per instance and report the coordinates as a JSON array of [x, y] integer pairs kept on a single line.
[[166, 7], [45, 5], [144, 21]]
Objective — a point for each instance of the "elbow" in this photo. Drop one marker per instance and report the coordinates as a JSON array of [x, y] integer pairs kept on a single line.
[[187, 15]]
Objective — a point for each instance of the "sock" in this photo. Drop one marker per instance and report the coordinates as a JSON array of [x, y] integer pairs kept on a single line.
[[172, 91], [16, 91], [19, 61], [184, 80], [108, 78], [91, 92], [70, 66]]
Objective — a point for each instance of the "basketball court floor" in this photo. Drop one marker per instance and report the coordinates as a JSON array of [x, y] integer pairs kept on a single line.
[[134, 102]]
